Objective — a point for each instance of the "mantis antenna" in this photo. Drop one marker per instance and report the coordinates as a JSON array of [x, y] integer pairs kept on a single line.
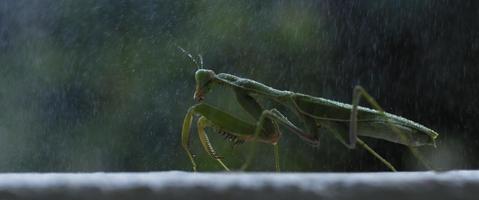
[[201, 61], [199, 66]]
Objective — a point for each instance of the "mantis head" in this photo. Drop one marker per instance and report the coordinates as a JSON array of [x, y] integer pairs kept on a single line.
[[204, 78]]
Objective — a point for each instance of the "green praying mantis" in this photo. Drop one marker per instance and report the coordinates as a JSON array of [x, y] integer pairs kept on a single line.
[[316, 115]]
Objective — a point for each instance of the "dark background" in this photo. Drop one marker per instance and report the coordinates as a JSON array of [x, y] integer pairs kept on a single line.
[[98, 85]]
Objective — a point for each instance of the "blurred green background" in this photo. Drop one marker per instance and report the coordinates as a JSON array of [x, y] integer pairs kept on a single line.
[[99, 85]]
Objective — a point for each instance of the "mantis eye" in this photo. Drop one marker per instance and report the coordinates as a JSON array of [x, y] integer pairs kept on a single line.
[[204, 76]]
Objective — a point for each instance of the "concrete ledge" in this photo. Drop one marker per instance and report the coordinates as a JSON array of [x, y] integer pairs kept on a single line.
[[241, 186]]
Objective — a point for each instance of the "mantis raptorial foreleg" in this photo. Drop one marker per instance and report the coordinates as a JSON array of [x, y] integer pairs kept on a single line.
[[202, 124], [216, 118], [185, 135]]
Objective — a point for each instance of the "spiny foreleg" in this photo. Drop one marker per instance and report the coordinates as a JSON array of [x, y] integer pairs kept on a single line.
[[202, 124]]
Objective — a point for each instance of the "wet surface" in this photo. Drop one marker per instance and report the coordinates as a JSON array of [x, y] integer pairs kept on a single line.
[[187, 185]]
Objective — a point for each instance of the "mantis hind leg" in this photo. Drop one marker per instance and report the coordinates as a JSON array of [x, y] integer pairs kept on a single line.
[[341, 137], [375, 154], [359, 92]]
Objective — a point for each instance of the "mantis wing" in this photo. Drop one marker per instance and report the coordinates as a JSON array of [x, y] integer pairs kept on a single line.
[[371, 123]]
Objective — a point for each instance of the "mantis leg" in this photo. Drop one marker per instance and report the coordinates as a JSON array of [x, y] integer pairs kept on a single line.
[[342, 140], [276, 156], [277, 117], [379, 157], [202, 124], [359, 92], [185, 136]]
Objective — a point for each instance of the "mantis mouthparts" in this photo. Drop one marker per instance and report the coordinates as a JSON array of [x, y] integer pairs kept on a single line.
[[198, 96]]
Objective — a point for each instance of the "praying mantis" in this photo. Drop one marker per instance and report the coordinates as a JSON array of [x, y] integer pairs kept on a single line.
[[317, 115]]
